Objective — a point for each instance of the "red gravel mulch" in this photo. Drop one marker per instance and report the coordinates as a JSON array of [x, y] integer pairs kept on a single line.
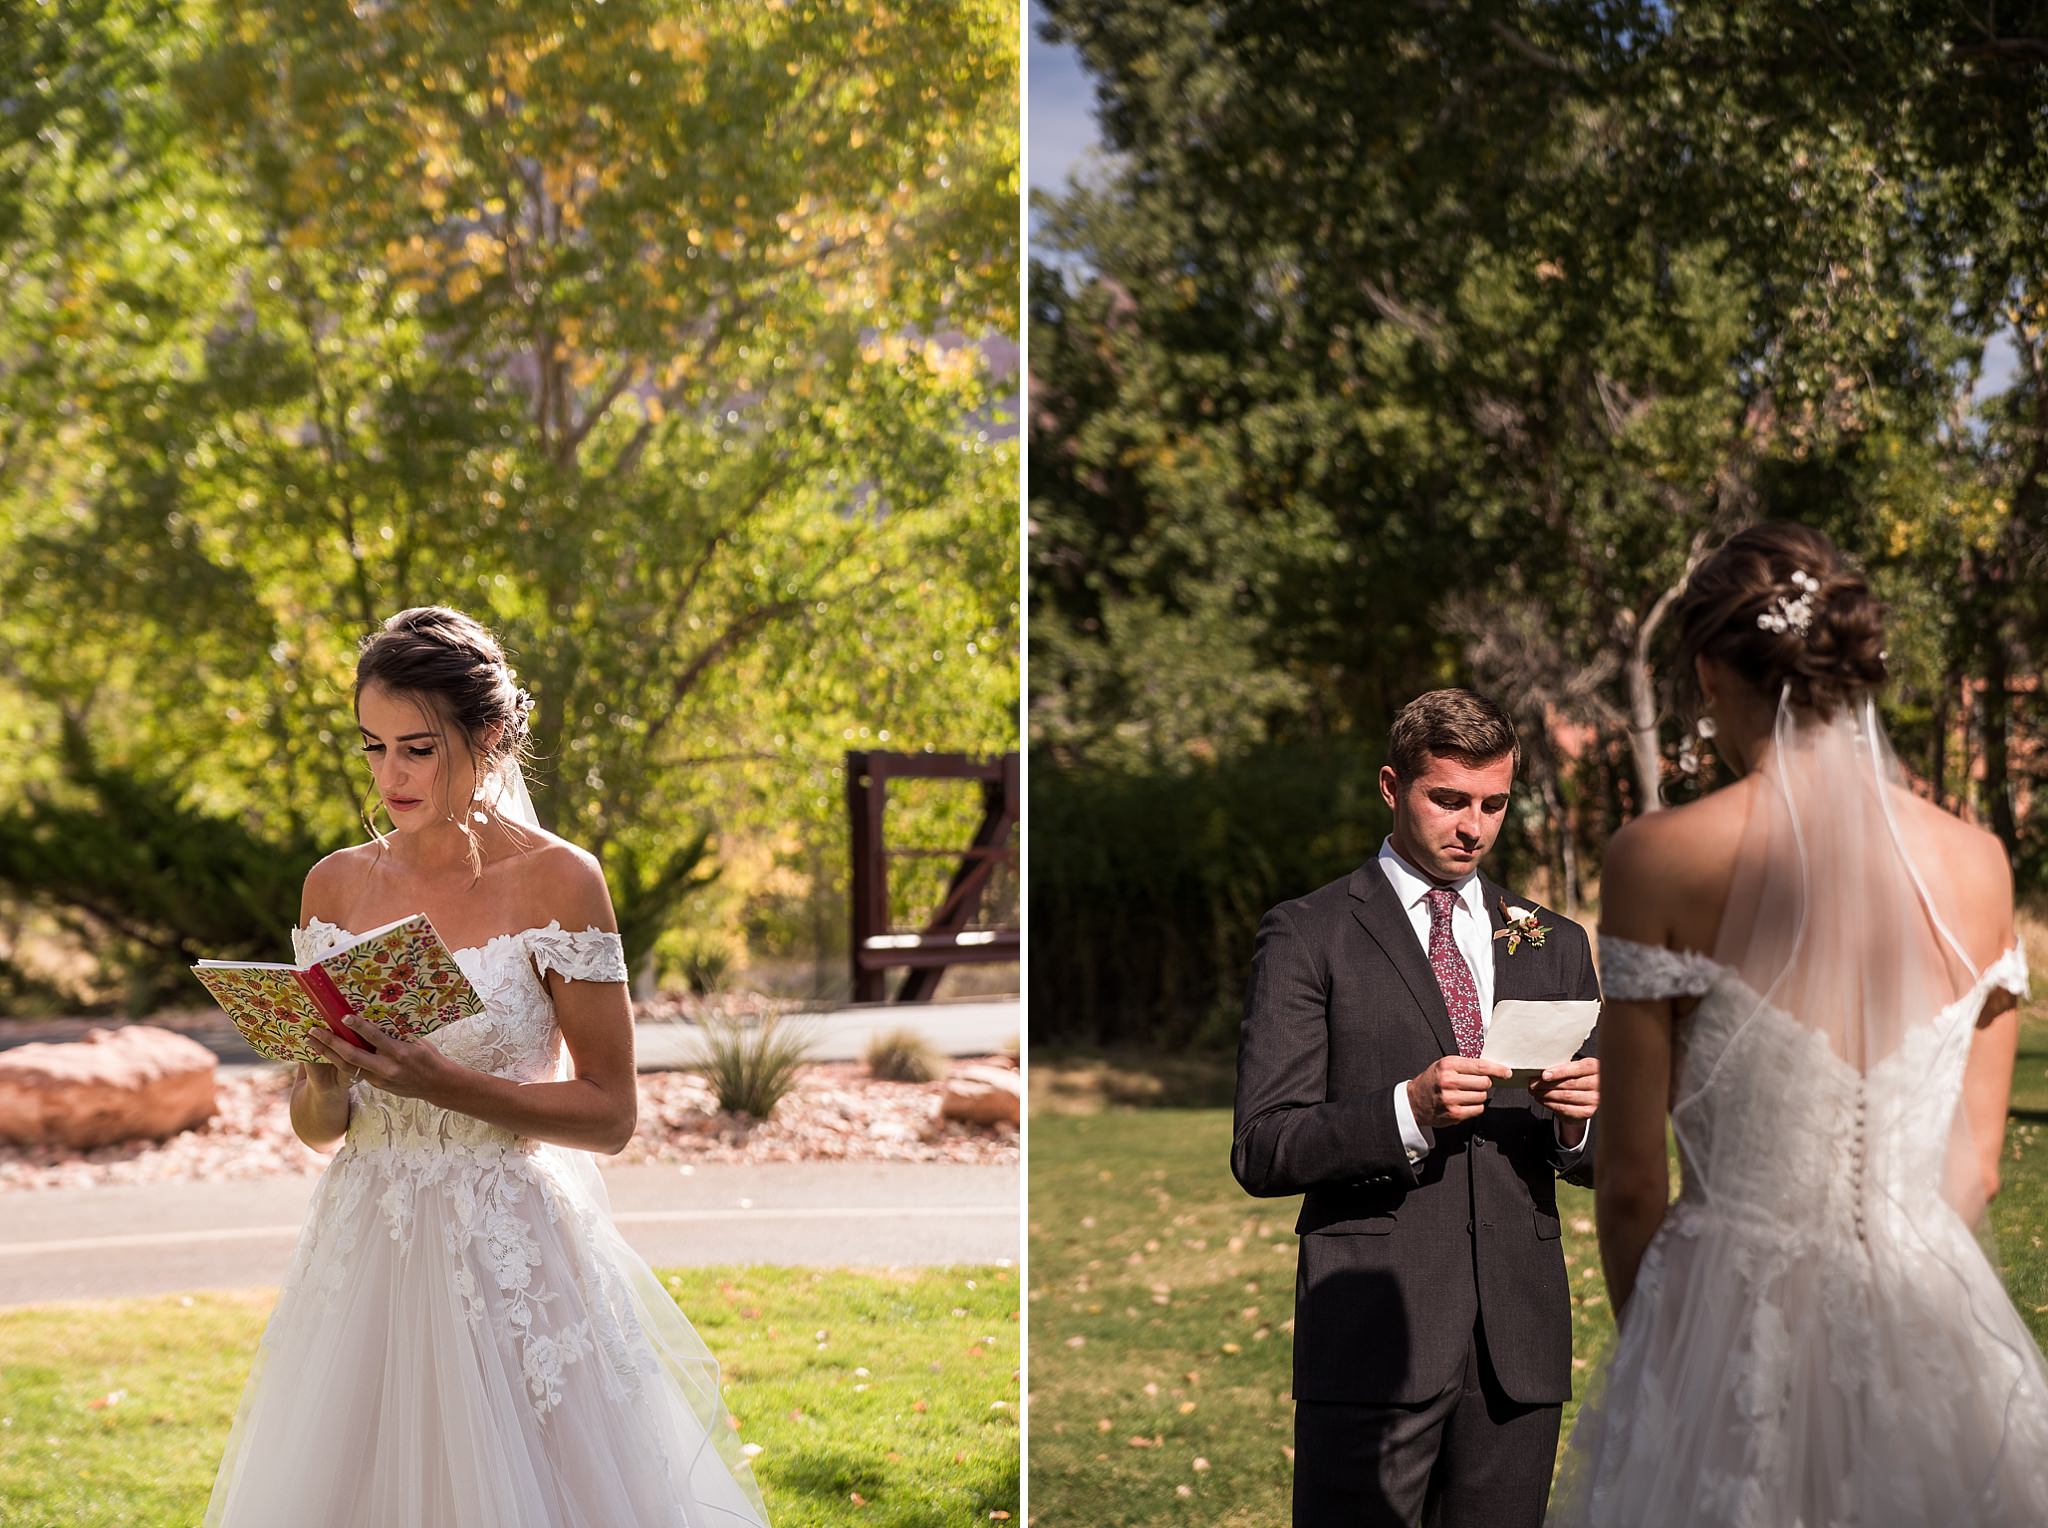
[[837, 1113]]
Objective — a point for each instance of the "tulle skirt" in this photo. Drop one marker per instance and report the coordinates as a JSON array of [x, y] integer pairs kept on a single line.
[[1774, 1379], [465, 1341]]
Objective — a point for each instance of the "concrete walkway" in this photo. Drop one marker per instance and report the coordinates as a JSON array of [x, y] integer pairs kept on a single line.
[[90, 1243], [841, 1034], [978, 1027]]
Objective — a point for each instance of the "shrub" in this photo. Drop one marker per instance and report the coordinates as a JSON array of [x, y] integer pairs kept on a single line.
[[752, 1067], [902, 1055]]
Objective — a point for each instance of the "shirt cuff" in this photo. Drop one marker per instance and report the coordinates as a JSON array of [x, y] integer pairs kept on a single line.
[[1418, 1141], [1570, 1154]]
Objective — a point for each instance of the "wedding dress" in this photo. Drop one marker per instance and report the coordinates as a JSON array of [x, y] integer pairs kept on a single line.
[[1815, 1338], [463, 1339]]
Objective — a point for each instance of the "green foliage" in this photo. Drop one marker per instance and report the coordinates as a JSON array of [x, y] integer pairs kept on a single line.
[[648, 887], [752, 1065], [902, 1055], [133, 860], [706, 965], [1393, 346], [656, 334], [1147, 887]]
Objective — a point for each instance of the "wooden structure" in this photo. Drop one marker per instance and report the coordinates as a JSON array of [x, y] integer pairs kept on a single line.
[[955, 933]]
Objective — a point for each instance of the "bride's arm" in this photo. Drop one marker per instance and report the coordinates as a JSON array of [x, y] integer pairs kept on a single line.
[[319, 1105], [597, 1107], [1631, 1172], [1987, 1095], [1987, 1078]]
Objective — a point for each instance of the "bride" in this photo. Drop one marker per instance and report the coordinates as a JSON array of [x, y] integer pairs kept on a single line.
[[463, 1338], [1813, 973]]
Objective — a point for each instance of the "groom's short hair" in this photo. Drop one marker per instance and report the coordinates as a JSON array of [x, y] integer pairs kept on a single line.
[[1457, 724]]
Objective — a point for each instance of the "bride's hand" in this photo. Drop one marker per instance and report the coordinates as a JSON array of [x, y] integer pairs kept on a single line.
[[407, 1068], [324, 1078]]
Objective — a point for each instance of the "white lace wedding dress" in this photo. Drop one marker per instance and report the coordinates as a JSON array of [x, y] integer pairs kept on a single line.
[[1814, 1339], [463, 1339]]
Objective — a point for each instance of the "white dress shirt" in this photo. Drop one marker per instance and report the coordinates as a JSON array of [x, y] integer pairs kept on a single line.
[[1472, 932]]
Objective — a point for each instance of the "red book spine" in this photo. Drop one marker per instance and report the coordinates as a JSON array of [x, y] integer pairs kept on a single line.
[[319, 986]]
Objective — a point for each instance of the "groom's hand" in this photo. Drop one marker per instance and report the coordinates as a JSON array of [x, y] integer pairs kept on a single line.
[[1453, 1090], [1572, 1090]]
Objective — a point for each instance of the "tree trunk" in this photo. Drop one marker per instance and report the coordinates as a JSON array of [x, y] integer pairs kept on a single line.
[[1997, 754], [1644, 752], [1937, 747]]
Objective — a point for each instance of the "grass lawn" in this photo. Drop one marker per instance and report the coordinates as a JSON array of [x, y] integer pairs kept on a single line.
[[927, 1434], [1161, 1295]]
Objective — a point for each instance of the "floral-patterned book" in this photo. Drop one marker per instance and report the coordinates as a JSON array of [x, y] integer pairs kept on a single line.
[[400, 976]]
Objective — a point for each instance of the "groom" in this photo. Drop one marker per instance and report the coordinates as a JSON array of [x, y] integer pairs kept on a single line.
[[1432, 1339]]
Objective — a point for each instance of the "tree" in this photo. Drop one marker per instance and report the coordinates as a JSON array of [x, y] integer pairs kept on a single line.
[[651, 333]]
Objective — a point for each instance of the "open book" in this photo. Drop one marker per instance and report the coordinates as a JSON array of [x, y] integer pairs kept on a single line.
[[400, 977]]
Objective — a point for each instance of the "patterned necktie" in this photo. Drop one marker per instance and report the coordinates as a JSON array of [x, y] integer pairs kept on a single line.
[[1453, 976]]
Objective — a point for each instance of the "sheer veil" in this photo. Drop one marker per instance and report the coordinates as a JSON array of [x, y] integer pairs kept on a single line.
[[506, 796], [715, 1452]]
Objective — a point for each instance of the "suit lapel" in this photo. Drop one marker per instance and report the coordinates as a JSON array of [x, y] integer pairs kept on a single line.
[[1380, 913]]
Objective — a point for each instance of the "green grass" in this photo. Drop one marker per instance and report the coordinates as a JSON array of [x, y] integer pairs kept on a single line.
[[932, 1438], [1161, 1294]]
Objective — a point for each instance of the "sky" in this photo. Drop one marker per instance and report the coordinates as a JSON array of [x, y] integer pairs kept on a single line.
[[1062, 110]]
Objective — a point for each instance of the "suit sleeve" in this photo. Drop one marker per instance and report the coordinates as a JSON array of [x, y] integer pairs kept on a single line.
[[1576, 1166], [1289, 1134]]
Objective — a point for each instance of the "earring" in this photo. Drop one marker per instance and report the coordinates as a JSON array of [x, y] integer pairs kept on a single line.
[[479, 815], [1706, 727]]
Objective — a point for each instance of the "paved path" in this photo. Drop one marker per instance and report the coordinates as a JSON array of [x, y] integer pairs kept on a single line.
[[980, 1027], [841, 1034], [89, 1243]]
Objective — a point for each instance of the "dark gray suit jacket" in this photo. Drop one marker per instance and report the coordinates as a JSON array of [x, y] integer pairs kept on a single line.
[[1398, 1260]]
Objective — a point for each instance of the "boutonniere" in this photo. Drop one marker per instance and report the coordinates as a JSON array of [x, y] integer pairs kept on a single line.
[[1522, 925]]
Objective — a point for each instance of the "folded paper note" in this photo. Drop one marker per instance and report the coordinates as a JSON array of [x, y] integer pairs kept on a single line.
[[1529, 1036], [400, 976]]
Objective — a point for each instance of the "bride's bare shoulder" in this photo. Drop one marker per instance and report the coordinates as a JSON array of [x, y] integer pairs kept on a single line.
[[1705, 832], [331, 884], [1966, 865], [1662, 868], [565, 881]]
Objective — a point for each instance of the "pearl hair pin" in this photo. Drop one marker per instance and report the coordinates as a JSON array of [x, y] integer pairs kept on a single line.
[[1793, 613]]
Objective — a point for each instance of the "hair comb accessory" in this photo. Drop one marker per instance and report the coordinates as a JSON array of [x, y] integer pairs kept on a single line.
[[1792, 613], [524, 701]]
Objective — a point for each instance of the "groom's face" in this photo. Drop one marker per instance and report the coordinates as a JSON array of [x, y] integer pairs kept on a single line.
[[1447, 817]]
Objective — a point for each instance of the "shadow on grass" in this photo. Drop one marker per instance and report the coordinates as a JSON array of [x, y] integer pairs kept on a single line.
[[831, 1477], [1088, 1081]]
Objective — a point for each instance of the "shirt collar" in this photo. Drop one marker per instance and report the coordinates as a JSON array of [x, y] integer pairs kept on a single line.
[[1411, 885]]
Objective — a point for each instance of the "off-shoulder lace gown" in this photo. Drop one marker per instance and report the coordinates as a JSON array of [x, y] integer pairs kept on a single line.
[[463, 1339], [1814, 1338]]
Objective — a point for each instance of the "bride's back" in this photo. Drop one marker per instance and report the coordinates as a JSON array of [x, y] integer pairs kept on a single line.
[[1692, 853]]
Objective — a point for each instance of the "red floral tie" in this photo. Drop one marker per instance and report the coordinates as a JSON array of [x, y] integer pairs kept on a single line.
[[1453, 976]]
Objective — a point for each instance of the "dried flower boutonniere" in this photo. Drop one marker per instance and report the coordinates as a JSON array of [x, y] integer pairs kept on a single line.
[[1522, 925]]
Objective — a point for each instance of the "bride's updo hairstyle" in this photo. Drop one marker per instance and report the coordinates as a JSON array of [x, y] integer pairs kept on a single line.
[[456, 671], [1781, 606]]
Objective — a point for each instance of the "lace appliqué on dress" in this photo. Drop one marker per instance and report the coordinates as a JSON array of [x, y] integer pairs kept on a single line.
[[1642, 973], [590, 956], [2008, 973], [490, 1192]]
